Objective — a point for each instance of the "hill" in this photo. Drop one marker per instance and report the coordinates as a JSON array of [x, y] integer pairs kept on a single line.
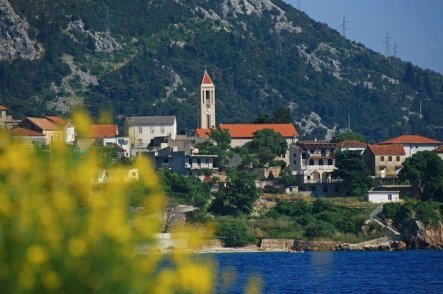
[[144, 57]]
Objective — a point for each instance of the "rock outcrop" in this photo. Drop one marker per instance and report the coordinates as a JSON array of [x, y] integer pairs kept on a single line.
[[418, 236], [15, 41], [300, 245]]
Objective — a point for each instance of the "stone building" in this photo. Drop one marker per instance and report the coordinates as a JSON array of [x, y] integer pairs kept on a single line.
[[385, 161], [413, 143]]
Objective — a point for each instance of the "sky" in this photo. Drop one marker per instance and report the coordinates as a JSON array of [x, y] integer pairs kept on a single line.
[[416, 26]]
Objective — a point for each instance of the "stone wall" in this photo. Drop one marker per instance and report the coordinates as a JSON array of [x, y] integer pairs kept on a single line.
[[276, 244], [300, 245]]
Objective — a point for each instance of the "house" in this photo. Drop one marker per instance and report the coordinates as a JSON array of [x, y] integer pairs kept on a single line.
[[439, 151], [105, 135], [142, 129], [413, 143], [184, 162], [52, 132], [6, 121], [28, 136], [385, 161], [66, 126], [383, 196], [312, 163], [351, 145]]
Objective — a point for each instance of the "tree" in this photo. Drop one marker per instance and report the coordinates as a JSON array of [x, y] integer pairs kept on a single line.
[[219, 143], [286, 178], [235, 233], [267, 145], [352, 169], [424, 170], [280, 116], [348, 135], [238, 197]]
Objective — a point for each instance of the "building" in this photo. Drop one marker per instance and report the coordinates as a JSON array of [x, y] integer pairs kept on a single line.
[[312, 163], [52, 132], [351, 145], [383, 196], [28, 137], [6, 121], [184, 162], [142, 129], [105, 135], [68, 129], [439, 151], [413, 143], [385, 161], [206, 102]]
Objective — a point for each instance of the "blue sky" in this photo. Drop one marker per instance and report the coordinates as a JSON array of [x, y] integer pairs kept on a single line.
[[415, 25]]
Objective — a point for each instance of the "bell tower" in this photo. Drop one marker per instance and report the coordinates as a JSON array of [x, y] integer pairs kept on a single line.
[[206, 116]]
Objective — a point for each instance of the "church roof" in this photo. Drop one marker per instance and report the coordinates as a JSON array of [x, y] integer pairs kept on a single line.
[[202, 133], [248, 130], [206, 80]]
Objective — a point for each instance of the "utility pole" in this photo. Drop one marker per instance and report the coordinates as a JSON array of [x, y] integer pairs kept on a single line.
[[388, 45], [343, 31]]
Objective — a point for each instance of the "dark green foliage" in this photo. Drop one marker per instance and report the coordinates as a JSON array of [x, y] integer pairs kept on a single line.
[[424, 170], [320, 228], [267, 145], [428, 212], [219, 143], [280, 116], [136, 194], [352, 169], [286, 178], [238, 197], [349, 135], [235, 233], [186, 190]]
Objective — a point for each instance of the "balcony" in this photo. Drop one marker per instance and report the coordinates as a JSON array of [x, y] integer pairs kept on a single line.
[[323, 181]]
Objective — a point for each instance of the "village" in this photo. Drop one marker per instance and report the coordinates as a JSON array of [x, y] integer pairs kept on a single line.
[[310, 163]]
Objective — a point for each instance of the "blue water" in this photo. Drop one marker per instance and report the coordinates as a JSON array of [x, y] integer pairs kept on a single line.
[[418, 271]]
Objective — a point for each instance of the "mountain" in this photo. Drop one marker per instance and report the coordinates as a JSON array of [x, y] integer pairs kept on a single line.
[[144, 57]]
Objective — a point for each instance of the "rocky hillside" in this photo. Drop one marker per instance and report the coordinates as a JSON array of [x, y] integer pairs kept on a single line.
[[146, 57]]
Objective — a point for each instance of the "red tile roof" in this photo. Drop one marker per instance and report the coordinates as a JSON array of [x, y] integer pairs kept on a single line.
[[248, 130], [58, 120], [43, 123], [206, 80], [20, 132], [411, 139], [103, 131], [202, 133], [351, 144], [387, 149], [3, 107], [439, 150]]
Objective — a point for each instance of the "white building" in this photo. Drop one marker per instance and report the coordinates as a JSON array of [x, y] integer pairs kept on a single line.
[[351, 145], [206, 115], [142, 129], [413, 143], [383, 196]]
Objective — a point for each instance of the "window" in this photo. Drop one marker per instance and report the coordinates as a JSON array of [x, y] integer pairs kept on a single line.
[[140, 130], [320, 162], [152, 130], [390, 158], [140, 142], [382, 158], [295, 162], [398, 158], [323, 152], [311, 162], [162, 130], [190, 161], [303, 156], [198, 160], [382, 168], [390, 197], [165, 160], [330, 162]]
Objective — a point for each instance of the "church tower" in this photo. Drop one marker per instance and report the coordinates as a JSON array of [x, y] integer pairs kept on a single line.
[[206, 116]]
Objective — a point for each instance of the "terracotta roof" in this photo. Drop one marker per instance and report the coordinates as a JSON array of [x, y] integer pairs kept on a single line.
[[351, 144], [387, 149], [103, 131], [439, 150], [3, 107], [43, 123], [20, 132], [58, 120], [248, 130], [206, 80], [309, 145], [202, 133], [411, 139]]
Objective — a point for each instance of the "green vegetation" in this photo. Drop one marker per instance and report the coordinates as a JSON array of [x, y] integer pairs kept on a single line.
[[280, 116], [348, 135], [352, 169], [428, 212], [219, 144], [424, 170], [267, 145], [235, 232]]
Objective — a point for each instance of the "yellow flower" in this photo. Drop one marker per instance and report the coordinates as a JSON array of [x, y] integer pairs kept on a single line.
[[37, 254]]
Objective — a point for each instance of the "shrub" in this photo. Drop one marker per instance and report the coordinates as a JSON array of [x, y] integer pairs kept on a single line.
[[428, 212], [322, 205], [390, 210], [292, 208], [235, 233], [320, 229]]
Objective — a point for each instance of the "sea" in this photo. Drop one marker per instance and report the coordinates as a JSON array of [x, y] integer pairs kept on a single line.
[[414, 271]]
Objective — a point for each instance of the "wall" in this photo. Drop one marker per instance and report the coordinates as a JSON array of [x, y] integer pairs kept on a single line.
[[150, 132], [276, 244], [391, 167], [382, 196]]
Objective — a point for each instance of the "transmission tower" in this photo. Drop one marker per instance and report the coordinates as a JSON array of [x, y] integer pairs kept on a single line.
[[344, 29], [388, 45]]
